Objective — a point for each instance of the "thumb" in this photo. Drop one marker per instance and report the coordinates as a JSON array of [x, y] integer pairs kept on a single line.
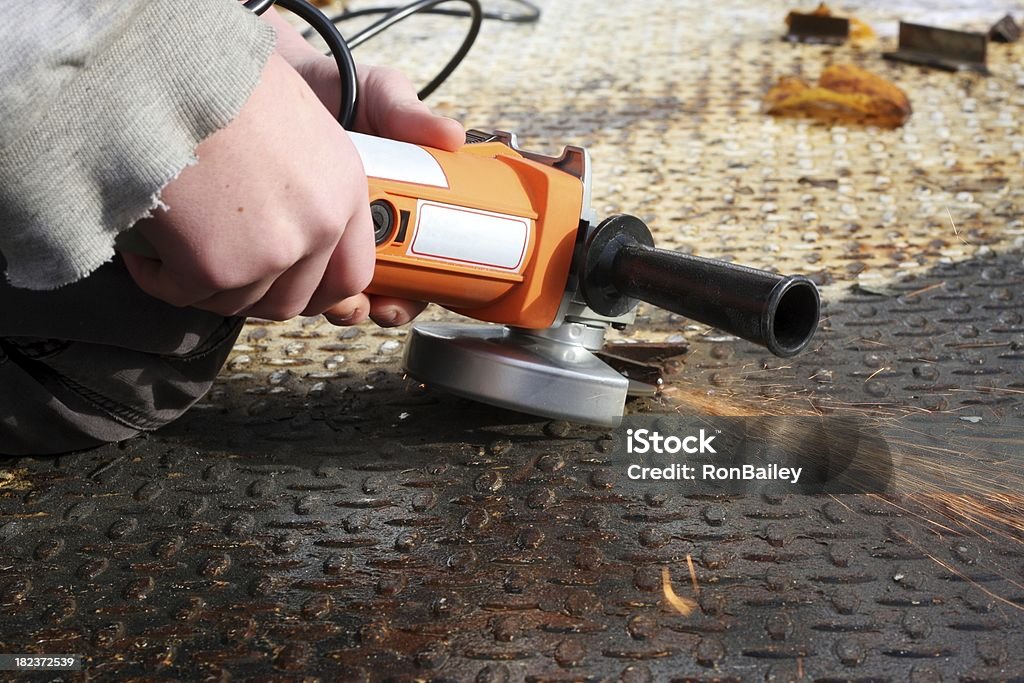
[[412, 121], [390, 108]]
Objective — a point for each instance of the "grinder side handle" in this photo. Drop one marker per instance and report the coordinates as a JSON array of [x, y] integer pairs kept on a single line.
[[779, 312]]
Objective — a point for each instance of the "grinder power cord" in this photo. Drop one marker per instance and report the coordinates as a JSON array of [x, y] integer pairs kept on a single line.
[[340, 47], [507, 236]]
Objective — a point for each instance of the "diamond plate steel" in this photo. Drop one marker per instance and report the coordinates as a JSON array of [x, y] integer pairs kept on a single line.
[[397, 534]]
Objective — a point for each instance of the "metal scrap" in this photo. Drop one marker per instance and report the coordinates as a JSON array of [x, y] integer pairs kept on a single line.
[[844, 93], [821, 26], [1005, 30], [941, 48]]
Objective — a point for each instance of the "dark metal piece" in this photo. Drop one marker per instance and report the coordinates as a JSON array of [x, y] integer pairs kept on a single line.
[[1005, 30], [573, 160], [817, 28], [941, 48], [778, 312], [475, 136], [644, 363]]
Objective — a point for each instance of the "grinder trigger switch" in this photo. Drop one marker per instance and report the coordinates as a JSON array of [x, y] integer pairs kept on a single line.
[[383, 216]]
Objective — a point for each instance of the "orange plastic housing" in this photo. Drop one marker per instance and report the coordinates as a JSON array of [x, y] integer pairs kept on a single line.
[[496, 244]]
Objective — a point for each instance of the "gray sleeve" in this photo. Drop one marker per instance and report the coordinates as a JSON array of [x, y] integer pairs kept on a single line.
[[103, 103]]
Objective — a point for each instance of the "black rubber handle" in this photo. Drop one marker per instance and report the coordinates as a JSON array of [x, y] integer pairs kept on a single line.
[[779, 312], [775, 311]]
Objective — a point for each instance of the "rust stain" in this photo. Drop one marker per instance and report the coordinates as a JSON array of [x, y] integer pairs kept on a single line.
[[14, 479]]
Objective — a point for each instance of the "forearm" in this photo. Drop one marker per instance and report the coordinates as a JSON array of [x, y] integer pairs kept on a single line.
[[95, 124]]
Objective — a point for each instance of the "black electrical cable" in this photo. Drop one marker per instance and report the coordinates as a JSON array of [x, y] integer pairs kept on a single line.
[[529, 15], [339, 49], [396, 15], [258, 6]]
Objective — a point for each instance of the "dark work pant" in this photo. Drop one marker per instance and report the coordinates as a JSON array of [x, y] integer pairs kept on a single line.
[[100, 360]]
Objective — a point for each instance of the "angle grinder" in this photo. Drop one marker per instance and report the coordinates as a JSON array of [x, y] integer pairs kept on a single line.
[[508, 237]]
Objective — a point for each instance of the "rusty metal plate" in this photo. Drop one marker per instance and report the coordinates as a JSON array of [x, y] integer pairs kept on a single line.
[[398, 534]]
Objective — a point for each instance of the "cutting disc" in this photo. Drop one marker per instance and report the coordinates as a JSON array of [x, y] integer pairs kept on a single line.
[[516, 370]]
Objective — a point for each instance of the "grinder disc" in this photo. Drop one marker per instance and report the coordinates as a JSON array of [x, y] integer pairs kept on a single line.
[[515, 370]]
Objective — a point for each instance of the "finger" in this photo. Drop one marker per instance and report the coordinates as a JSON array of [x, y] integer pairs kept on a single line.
[[155, 279], [388, 311], [236, 301], [350, 311], [391, 109], [290, 293], [350, 268], [414, 122]]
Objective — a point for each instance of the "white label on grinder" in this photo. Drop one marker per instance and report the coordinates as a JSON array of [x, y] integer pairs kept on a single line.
[[470, 236], [393, 160]]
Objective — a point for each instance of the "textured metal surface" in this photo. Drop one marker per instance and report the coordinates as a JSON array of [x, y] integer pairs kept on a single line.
[[317, 516], [360, 533], [948, 342]]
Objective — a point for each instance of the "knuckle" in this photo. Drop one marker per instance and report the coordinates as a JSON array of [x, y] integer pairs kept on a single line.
[[329, 228], [385, 76], [211, 278], [353, 281], [281, 310], [280, 260], [288, 248]]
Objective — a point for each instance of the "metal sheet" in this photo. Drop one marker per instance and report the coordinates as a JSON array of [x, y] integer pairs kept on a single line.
[[391, 534]]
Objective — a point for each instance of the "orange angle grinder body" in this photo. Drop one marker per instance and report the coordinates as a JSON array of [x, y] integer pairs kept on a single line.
[[485, 232]]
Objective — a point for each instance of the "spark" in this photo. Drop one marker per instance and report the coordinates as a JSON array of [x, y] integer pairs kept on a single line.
[[964, 577], [985, 508], [682, 605], [955, 231], [921, 291], [874, 374], [693, 575]]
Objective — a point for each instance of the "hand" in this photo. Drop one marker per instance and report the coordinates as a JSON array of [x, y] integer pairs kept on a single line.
[[387, 107], [273, 220]]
